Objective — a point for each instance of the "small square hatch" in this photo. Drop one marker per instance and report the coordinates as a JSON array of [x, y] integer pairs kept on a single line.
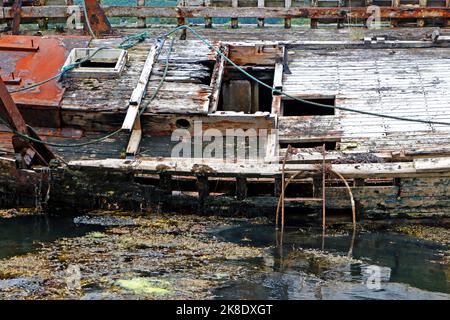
[[106, 63]]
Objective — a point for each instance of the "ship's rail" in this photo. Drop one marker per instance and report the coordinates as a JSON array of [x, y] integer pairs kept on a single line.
[[423, 13]]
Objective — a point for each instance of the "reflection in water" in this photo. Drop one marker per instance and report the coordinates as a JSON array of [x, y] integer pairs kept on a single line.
[[405, 267], [20, 235]]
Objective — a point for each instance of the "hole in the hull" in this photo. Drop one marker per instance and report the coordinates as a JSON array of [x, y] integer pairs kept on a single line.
[[329, 145], [183, 124], [240, 94], [300, 108], [105, 63], [97, 64]]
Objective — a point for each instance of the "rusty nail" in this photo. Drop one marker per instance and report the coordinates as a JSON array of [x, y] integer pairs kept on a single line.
[[12, 75], [32, 43]]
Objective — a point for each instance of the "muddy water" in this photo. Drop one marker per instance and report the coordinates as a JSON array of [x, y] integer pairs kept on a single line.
[[408, 268], [21, 235]]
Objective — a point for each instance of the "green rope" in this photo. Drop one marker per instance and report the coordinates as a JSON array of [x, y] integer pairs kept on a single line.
[[219, 52], [131, 41]]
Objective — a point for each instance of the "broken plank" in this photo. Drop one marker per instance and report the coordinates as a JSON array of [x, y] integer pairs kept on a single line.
[[135, 139], [140, 89], [216, 80], [278, 77]]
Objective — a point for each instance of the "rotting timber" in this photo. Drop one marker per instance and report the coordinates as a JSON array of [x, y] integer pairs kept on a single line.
[[394, 167]]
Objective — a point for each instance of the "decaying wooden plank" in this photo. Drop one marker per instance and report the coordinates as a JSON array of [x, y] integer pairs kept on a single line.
[[216, 79], [272, 147], [309, 129], [251, 168], [432, 164], [135, 139], [139, 91], [287, 20], [278, 77], [322, 13], [261, 4]]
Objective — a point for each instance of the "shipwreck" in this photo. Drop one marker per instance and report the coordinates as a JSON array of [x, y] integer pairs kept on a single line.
[[115, 110]]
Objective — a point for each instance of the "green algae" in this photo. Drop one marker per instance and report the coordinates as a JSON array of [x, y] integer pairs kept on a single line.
[[144, 285]]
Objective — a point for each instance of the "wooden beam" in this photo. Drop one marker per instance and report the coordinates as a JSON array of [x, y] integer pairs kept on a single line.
[[135, 139], [261, 4], [139, 90], [278, 77], [431, 167], [432, 164], [241, 188], [313, 22], [421, 22], [234, 20], [272, 147], [217, 78], [141, 23], [323, 13], [447, 21], [394, 21], [165, 183], [287, 20]]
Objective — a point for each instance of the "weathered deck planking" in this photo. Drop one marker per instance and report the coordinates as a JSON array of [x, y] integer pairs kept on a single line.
[[392, 166]]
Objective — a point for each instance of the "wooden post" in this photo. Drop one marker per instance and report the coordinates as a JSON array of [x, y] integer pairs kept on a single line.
[[165, 183], [182, 21], [208, 20], [135, 139], [203, 191], [421, 22], [141, 21], [234, 21], [278, 77], [287, 21], [241, 188], [261, 20], [313, 24], [277, 186], [317, 187], [446, 21], [394, 22]]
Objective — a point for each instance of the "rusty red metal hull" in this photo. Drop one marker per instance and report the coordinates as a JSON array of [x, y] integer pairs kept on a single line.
[[26, 60]]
